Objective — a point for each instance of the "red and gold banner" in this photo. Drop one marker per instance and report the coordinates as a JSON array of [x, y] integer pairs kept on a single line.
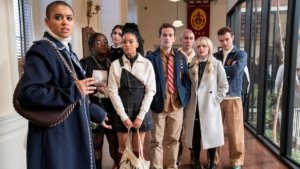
[[198, 17]]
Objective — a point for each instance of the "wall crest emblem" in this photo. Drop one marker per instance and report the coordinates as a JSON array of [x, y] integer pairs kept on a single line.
[[198, 19]]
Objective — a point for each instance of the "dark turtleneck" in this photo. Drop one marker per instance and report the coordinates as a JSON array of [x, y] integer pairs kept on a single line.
[[201, 69], [116, 53]]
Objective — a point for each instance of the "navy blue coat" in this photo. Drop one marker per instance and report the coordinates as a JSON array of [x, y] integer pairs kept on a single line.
[[46, 83], [183, 85]]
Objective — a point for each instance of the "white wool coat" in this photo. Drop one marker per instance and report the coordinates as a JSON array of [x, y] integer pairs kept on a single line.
[[209, 94]]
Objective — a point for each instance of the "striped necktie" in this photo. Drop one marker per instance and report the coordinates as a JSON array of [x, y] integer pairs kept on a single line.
[[170, 75]]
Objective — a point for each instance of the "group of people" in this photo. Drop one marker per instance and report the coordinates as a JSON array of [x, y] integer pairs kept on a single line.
[[166, 92]]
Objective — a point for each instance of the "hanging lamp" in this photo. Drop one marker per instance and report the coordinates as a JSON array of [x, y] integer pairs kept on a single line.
[[177, 23]]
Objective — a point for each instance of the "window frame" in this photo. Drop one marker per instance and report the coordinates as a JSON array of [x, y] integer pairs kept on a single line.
[[22, 11], [291, 49]]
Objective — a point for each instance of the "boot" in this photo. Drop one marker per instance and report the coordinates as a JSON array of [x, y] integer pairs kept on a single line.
[[197, 165], [192, 157], [212, 166], [119, 159], [195, 157], [211, 162], [98, 163]]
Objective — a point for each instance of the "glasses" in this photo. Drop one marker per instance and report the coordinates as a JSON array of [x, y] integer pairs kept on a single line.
[[98, 42]]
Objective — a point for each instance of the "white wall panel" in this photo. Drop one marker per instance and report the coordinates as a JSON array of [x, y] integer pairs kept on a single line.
[[13, 132]]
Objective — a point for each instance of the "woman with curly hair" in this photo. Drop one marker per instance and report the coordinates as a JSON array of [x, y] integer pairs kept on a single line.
[[97, 66]]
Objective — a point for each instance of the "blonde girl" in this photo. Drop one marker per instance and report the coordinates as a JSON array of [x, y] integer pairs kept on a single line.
[[203, 114]]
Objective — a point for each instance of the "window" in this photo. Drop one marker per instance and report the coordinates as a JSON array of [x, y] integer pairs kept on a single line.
[[242, 26], [296, 115], [274, 52], [295, 141], [254, 61], [236, 19], [22, 18], [274, 67]]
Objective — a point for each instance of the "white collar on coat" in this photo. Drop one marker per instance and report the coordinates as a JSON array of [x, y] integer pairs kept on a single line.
[[188, 56], [64, 41]]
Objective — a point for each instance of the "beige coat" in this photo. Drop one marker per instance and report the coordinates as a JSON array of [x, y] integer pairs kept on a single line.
[[209, 94]]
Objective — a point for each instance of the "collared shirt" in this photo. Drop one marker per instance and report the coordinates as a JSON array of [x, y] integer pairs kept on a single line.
[[141, 69], [189, 56], [172, 102], [225, 54]]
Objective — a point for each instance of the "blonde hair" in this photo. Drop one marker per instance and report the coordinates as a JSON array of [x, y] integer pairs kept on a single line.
[[207, 42]]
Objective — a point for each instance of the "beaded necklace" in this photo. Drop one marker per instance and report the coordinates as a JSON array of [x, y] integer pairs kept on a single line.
[[100, 67]]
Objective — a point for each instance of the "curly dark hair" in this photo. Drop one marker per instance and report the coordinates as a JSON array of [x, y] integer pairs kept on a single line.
[[134, 29], [93, 38]]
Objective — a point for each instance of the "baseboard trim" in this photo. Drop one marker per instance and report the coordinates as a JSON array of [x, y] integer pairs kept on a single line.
[[12, 125]]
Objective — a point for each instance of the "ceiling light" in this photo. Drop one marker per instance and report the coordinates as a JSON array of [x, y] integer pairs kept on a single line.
[[177, 23], [174, 0]]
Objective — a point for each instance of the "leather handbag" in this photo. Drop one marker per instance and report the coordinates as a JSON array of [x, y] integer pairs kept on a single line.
[[129, 160], [49, 117]]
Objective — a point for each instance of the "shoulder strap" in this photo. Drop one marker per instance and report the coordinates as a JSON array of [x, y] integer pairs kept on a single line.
[[121, 61], [73, 74]]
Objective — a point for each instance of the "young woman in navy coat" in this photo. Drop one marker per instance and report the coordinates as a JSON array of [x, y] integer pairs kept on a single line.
[[47, 83]]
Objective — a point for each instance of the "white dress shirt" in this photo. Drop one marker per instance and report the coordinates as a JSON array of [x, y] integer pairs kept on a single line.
[[143, 70]]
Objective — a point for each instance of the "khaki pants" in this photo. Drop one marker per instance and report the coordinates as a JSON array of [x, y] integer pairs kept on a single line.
[[165, 139], [232, 113]]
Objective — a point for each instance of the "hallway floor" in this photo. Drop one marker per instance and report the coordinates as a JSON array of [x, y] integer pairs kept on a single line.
[[257, 156]]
